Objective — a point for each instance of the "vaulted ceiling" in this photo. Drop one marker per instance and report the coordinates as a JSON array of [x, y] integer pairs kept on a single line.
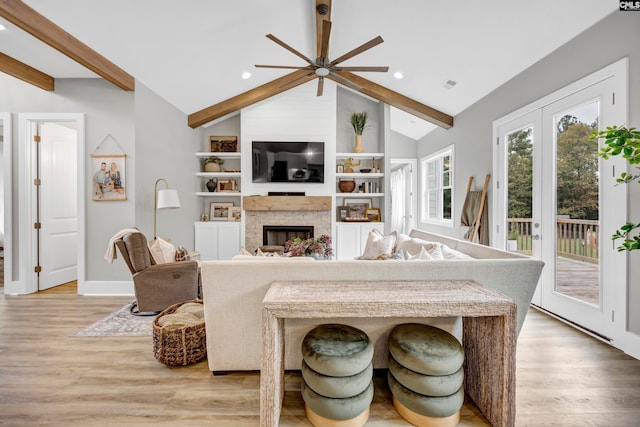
[[194, 53]]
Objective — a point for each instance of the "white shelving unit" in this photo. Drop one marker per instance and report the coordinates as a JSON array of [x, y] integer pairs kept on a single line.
[[220, 175]]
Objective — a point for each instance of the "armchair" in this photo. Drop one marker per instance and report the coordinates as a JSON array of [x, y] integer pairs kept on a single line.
[[157, 286]]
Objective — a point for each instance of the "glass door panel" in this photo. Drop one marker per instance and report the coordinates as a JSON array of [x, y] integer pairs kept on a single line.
[[520, 190], [577, 230]]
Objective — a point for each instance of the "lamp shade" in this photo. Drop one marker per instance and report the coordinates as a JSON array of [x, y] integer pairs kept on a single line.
[[168, 199]]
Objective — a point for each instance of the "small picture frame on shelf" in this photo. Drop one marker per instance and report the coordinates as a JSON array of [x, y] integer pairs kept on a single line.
[[223, 144], [343, 213], [219, 211], [373, 214], [229, 185], [357, 207], [340, 169], [235, 213]]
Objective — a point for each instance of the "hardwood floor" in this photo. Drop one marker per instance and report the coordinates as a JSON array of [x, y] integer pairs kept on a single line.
[[50, 377]]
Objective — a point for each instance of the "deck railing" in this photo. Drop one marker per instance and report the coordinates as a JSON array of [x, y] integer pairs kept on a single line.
[[576, 238]]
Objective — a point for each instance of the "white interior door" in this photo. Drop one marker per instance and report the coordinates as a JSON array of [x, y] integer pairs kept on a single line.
[[58, 253]]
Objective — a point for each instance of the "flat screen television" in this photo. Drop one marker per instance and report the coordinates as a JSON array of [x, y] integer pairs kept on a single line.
[[287, 161]]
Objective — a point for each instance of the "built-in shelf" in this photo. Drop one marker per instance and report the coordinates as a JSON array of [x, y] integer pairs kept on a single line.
[[219, 194], [359, 155], [222, 155], [219, 174], [360, 175], [357, 195]]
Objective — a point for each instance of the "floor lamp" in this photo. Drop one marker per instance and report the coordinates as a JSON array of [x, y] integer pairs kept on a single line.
[[163, 199]]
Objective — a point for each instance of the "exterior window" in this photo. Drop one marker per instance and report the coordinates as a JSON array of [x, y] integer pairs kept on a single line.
[[437, 187]]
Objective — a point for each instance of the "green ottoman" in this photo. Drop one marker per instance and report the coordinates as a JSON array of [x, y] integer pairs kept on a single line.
[[426, 411], [337, 350], [337, 387], [324, 411], [429, 385], [425, 349], [337, 376]]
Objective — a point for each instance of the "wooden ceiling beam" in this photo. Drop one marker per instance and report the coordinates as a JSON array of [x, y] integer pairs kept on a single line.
[[26, 73], [27, 19], [396, 99], [319, 19], [250, 97]]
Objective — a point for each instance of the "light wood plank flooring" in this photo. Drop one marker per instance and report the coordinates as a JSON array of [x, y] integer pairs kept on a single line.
[[49, 377]]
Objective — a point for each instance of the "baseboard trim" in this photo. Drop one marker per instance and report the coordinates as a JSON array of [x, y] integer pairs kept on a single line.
[[106, 288]]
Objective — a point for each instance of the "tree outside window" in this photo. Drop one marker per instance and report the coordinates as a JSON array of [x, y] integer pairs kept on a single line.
[[437, 187]]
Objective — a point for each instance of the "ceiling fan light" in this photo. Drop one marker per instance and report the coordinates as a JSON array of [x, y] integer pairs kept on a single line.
[[321, 71]]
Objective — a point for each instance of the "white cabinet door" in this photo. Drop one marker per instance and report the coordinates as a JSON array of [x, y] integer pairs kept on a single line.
[[217, 240], [347, 241], [228, 239]]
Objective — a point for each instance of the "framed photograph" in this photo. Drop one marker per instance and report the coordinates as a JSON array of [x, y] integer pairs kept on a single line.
[[219, 211], [235, 213], [227, 185], [373, 214], [340, 169], [108, 178], [343, 213], [357, 207], [223, 144]]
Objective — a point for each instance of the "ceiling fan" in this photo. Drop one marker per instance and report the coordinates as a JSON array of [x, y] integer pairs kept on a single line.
[[323, 67]]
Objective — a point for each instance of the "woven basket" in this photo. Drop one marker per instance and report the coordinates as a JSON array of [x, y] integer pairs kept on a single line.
[[179, 346]]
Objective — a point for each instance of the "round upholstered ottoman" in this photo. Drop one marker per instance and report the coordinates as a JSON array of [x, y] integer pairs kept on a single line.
[[337, 374], [426, 411], [426, 375], [337, 350], [425, 349]]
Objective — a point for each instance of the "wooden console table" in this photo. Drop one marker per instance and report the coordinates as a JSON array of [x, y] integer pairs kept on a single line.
[[488, 329]]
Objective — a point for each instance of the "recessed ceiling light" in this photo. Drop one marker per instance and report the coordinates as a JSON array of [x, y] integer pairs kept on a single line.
[[449, 84], [398, 75], [246, 75], [2, 27]]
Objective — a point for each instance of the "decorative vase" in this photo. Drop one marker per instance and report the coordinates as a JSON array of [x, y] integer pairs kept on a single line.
[[211, 185], [346, 186], [358, 148], [212, 167]]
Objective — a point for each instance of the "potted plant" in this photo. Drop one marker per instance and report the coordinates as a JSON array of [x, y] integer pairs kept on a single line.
[[359, 123], [625, 142], [212, 163], [319, 247]]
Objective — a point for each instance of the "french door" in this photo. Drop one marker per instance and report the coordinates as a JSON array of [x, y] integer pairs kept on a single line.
[[558, 202]]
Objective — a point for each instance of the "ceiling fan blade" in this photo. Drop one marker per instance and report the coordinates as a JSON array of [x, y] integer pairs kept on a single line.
[[366, 46], [320, 86], [302, 79], [324, 47], [380, 69], [344, 81], [285, 66], [289, 48]]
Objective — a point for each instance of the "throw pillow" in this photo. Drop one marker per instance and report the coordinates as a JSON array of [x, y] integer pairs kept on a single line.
[[413, 244], [379, 245], [162, 251]]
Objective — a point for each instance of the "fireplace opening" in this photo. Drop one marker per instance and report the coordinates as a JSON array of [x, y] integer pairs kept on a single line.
[[277, 235]]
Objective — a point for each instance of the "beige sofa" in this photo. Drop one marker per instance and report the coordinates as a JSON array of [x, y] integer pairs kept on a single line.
[[233, 293]]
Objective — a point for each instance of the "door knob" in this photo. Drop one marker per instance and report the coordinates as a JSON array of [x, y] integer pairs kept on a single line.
[[536, 237]]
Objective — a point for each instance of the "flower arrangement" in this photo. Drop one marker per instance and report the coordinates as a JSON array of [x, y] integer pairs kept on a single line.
[[359, 122], [316, 247]]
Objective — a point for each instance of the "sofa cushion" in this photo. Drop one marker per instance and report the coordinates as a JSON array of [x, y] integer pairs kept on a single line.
[[162, 251], [378, 245]]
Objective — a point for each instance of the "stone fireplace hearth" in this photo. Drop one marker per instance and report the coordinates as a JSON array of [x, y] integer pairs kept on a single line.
[[284, 211]]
